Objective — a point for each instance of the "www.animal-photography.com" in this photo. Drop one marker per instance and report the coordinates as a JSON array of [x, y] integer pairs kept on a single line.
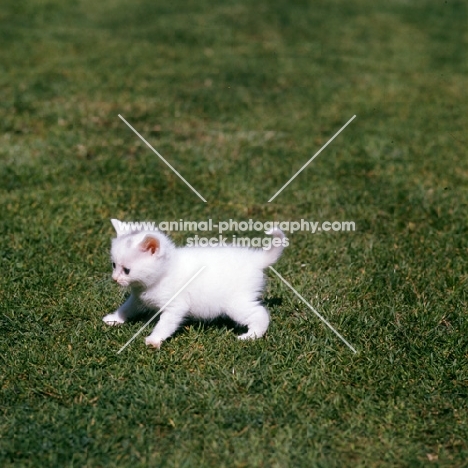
[[234, 233]]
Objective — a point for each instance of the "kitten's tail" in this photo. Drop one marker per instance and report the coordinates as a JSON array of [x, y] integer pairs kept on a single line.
[[279, 242]]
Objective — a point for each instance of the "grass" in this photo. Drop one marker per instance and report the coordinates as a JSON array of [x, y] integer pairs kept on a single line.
[[237, 96]]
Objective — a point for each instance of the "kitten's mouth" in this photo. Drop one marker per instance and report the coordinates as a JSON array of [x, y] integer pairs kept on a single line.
[[122, 282]]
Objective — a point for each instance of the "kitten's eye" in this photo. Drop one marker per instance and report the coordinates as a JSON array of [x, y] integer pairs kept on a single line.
[[113, 265], [126, 270]]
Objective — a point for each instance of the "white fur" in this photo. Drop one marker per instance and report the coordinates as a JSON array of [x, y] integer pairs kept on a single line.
[[230, 283]]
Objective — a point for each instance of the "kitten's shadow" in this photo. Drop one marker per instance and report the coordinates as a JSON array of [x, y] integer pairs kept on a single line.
[[219, 322], [272, 301]]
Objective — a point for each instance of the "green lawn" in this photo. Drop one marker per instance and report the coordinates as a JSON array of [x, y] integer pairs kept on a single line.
[[237, 96]]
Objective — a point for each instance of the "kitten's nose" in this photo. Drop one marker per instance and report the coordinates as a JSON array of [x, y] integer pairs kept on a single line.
[[114, 277]]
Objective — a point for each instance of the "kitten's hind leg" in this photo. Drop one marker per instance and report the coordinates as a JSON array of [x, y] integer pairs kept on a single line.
[[256, 319], [130, 308]]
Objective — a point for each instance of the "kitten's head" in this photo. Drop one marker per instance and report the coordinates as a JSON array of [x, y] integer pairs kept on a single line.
[[139, 258]]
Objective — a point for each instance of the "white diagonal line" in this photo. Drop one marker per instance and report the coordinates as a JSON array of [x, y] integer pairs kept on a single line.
[[161, 309], [162, 159], [312, 158], [313, 310]]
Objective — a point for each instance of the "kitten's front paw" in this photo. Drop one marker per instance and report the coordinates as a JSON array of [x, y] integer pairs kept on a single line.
[[113, 319], [154, 342], [247, 336]]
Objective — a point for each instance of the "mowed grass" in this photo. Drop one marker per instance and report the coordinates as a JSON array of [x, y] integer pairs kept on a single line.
[[237, 96]]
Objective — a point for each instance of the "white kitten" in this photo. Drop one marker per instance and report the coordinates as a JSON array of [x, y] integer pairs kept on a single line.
[[155, 270]]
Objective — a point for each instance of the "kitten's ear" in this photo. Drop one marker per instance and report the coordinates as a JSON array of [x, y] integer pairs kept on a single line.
[[150, 244], [118, 227]]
